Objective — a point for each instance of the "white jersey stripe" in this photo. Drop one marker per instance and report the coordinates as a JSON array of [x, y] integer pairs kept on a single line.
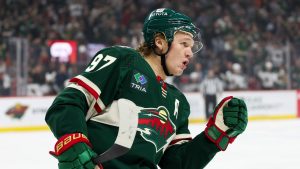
[[91, 88], [182, 136], [179, 142], [87, 84], [88, 96], [101, 104], [97, 106], [110, 114]]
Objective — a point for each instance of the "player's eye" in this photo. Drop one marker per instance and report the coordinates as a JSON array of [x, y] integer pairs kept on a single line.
[[185, 44]]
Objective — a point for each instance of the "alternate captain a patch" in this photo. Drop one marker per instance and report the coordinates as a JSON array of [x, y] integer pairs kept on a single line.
[[139, 82], [156, 126]]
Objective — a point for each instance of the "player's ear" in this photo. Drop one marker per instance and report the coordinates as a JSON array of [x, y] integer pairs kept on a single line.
[[160, 43]]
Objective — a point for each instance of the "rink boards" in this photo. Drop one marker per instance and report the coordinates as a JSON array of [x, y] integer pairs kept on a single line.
[[28, 113]]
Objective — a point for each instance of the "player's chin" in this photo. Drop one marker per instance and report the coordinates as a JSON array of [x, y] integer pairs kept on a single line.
[[178, 72]]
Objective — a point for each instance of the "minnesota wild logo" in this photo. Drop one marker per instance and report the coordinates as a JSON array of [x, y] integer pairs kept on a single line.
[[17, 111], [156, 126]]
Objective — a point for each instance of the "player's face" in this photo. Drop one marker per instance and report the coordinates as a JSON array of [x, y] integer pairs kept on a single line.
[[180, 53]]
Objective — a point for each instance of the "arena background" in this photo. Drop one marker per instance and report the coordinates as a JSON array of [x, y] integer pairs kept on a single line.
[[253, 46]]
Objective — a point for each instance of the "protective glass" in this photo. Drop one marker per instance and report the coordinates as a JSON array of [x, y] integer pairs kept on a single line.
[[197, 46], [195, 32]]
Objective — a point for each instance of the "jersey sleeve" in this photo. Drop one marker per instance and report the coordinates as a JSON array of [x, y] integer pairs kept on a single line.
[[87, 94], [185, 152], [100, 80]]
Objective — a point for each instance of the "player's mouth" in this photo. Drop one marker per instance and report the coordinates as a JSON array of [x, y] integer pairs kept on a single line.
[[184, 65]]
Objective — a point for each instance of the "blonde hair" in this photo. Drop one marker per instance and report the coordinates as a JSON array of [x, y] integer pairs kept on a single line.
[[144, 49]]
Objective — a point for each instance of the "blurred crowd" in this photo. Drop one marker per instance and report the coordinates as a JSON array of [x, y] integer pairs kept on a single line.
[[249, 44]]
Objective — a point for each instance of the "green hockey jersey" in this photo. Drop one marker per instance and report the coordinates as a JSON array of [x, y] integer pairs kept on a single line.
[[89, 105]]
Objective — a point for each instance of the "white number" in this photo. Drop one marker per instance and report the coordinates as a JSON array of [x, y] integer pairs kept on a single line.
[[96, 61], [109, 60]]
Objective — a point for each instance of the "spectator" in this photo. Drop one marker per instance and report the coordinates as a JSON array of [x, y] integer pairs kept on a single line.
[[234, 31], [296, 75], [235, 78], [5, 82], [268, 77], [61, 77]]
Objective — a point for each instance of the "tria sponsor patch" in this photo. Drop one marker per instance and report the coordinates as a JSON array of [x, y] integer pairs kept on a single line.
[[139, 82]]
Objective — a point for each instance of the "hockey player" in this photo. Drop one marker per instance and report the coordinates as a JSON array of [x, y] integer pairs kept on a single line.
[[94, 113]]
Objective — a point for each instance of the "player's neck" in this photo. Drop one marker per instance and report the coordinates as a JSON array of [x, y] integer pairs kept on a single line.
[[155, 64]]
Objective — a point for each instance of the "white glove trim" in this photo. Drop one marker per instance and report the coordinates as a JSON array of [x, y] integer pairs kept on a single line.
[[219, 120]]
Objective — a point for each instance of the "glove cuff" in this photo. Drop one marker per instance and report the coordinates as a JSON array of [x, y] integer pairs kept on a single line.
[[67, 141], [217, 136]]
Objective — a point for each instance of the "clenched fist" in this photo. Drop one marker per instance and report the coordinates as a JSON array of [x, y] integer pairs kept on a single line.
[[229, 119]]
